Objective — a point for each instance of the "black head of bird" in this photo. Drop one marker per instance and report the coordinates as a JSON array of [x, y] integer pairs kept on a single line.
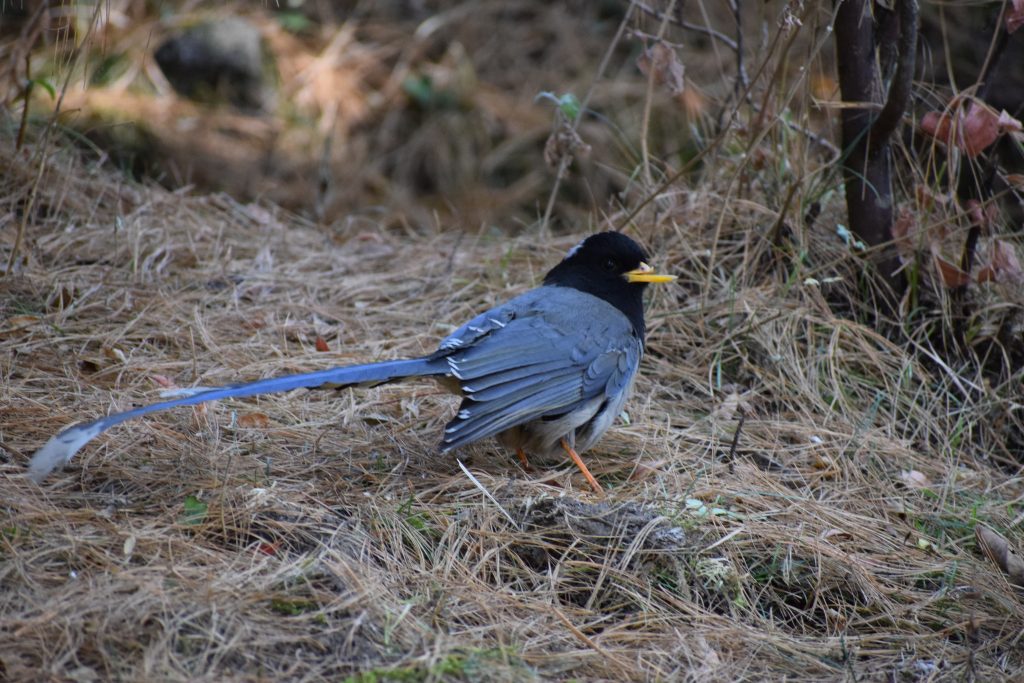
[[545, 372], [612, 267]]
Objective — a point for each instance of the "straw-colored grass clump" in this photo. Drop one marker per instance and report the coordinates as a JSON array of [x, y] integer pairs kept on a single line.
[[317, 536]]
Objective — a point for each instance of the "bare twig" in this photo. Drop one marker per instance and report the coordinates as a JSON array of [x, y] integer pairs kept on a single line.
[[563, 165], [736, 438], [645, 122], [696, 28], [643, 35], [741, 70]]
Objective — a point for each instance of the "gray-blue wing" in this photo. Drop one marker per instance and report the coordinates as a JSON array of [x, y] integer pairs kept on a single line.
[[540, 355]]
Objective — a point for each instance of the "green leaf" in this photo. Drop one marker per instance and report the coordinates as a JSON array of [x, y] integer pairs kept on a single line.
[[293, 607], [294, 22], [45, 85], [567, 103], [195, 511], [420, 89]]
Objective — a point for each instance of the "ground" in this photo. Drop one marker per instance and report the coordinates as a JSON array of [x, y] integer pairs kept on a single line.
[[790, 493]]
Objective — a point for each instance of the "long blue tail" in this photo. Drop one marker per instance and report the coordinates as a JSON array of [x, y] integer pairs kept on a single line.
[[62, 447]]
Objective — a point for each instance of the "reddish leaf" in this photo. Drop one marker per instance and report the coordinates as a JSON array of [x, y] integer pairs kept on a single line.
[[981, 215], [951, 275], [972, 131], [1015, 180], [980, 129], [937, 125], [1015, 16], [986, 274], [321, 345]]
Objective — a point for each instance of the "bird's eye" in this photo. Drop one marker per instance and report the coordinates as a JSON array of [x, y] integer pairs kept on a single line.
[[610, 265]]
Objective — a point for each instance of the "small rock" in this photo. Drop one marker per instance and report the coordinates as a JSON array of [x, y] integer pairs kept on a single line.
[[221, 60]]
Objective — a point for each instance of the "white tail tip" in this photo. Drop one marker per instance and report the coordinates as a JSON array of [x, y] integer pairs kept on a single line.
[[60, 449]]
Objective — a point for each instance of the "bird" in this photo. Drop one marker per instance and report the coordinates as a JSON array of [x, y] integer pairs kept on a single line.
[[546, 372]]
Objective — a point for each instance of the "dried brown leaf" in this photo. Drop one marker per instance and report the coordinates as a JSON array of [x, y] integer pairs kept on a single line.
[[975, 213], [647, 470], [998, 550], [904, 228], [736, 401], [927, 197], [951, 275], [254, 421], [163, 381], [664, 62], [692, 102], [986, 274], [915, 479], [61, 299], [1008, 124], [565, 143], [16, 321], [1005, 262]]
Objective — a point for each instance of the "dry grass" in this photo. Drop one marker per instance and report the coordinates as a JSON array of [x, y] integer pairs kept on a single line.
[[336, 541], [315, 536]]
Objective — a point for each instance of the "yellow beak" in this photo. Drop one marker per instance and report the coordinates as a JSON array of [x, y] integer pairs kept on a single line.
[[644, 273]]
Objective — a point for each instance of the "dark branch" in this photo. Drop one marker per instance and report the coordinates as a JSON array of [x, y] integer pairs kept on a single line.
[[902, 80], [993, 57]]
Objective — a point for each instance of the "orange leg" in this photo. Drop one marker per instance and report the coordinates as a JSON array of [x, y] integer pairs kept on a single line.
[[583, 468], [521, 454]]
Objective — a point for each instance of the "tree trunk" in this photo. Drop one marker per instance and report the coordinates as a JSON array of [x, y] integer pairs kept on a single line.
[[867, 162]]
